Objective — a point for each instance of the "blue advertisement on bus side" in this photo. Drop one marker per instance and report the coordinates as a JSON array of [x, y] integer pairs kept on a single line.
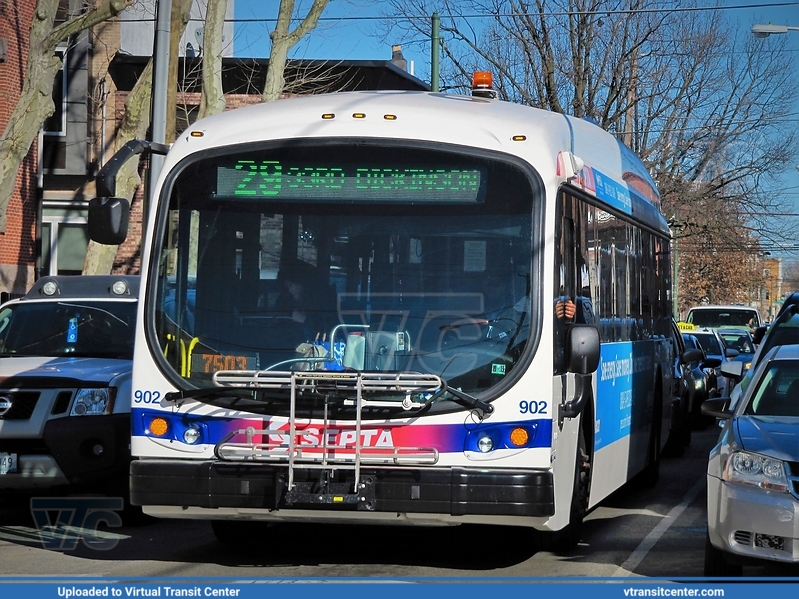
[[625, 371]]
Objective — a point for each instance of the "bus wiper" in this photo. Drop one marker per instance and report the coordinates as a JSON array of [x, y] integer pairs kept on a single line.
[[462, 398], [470, 401], [208, 393]]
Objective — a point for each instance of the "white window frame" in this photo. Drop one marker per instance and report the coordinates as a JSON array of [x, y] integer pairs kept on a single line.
[[55, 222]]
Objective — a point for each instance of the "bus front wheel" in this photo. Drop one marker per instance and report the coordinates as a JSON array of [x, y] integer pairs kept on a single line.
[[566, 539]]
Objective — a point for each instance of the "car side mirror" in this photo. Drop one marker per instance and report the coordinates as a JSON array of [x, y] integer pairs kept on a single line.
[[733, 370], [758, 335], [732, 353], [692, 355]]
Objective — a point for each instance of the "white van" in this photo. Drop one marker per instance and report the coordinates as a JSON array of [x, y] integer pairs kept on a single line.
[[714, 317]]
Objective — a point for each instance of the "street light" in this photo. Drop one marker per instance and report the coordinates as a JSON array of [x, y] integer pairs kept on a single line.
[[767, 30]]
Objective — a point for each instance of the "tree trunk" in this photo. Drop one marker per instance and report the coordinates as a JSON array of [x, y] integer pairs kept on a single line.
[[213, 96], [135, 122], [283, 41], [36, 100]]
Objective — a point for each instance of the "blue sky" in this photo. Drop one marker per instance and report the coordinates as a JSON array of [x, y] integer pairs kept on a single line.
[[343, 32], [346, 32]]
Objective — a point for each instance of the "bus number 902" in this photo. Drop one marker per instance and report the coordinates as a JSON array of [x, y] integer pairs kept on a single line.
[[533, 407], [147, 396]]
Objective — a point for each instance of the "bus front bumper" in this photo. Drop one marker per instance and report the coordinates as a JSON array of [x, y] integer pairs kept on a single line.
[[451, 491]]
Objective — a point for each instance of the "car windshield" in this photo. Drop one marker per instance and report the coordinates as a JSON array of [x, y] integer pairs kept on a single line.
[[72, 328], [777, 393], [709, 343], [722, 317], [739, 341]]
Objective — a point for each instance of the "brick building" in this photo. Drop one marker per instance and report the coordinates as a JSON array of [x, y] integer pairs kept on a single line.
[[100, 68], [18, 243]]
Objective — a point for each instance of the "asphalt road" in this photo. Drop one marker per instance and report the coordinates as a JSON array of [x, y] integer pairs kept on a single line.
[[657, 532]]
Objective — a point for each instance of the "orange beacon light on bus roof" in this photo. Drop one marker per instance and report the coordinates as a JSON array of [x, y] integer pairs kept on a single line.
[[483, 85]]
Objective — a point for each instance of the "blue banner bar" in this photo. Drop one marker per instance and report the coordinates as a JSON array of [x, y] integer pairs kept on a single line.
[[346, 588]]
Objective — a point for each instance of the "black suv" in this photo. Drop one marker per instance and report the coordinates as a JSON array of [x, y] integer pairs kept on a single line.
[[690, 390], [784, 330]]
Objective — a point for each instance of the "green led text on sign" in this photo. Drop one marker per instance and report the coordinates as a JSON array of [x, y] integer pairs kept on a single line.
[[270, 179]]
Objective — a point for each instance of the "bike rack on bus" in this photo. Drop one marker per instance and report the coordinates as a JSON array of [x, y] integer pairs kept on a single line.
[[298, 447]]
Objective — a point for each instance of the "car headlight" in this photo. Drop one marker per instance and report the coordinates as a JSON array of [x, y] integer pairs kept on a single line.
[[758, 470], [699, 383], [91, 402]]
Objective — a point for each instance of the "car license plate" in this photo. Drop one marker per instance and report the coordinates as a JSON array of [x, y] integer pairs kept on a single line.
[[8, 463], [769, 541]]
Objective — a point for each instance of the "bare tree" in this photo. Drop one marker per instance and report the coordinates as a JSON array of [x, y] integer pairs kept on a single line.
[[213, 96], [36, 102], [136, 119], [135, 122], [283, 40], [716, 252], [701, 103]]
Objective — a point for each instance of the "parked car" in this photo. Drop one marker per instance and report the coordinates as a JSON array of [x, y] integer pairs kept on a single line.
[[713, 317], [709, 387], [690, 390], [753, 470], [66, 351], [711, 341], [741, 341]]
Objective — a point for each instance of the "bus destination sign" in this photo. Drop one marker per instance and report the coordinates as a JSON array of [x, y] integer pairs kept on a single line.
[[276, 180]]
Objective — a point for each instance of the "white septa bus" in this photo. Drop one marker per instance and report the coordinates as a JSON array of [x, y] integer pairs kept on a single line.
[[397, 307]]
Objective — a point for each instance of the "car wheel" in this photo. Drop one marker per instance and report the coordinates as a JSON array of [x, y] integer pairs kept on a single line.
[[716, 563]]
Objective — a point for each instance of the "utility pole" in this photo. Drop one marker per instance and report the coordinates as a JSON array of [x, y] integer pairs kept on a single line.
[[675, 283], [158, 108], [435, 42]]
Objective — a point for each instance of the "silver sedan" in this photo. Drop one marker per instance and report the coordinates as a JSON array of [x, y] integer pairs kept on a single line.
[[753, 471]]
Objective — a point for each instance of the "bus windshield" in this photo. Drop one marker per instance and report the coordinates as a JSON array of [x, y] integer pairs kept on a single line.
[[349, 256]]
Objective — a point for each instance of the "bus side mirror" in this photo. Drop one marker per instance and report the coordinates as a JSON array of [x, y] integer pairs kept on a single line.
[[583, 347], [108, 220]]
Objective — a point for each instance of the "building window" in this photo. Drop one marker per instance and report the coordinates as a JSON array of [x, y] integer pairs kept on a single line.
[[57, 123], [64, 238]]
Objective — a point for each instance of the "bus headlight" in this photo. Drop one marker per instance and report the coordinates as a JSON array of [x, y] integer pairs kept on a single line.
[[91, 402], [192, 435], [485, 444]]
